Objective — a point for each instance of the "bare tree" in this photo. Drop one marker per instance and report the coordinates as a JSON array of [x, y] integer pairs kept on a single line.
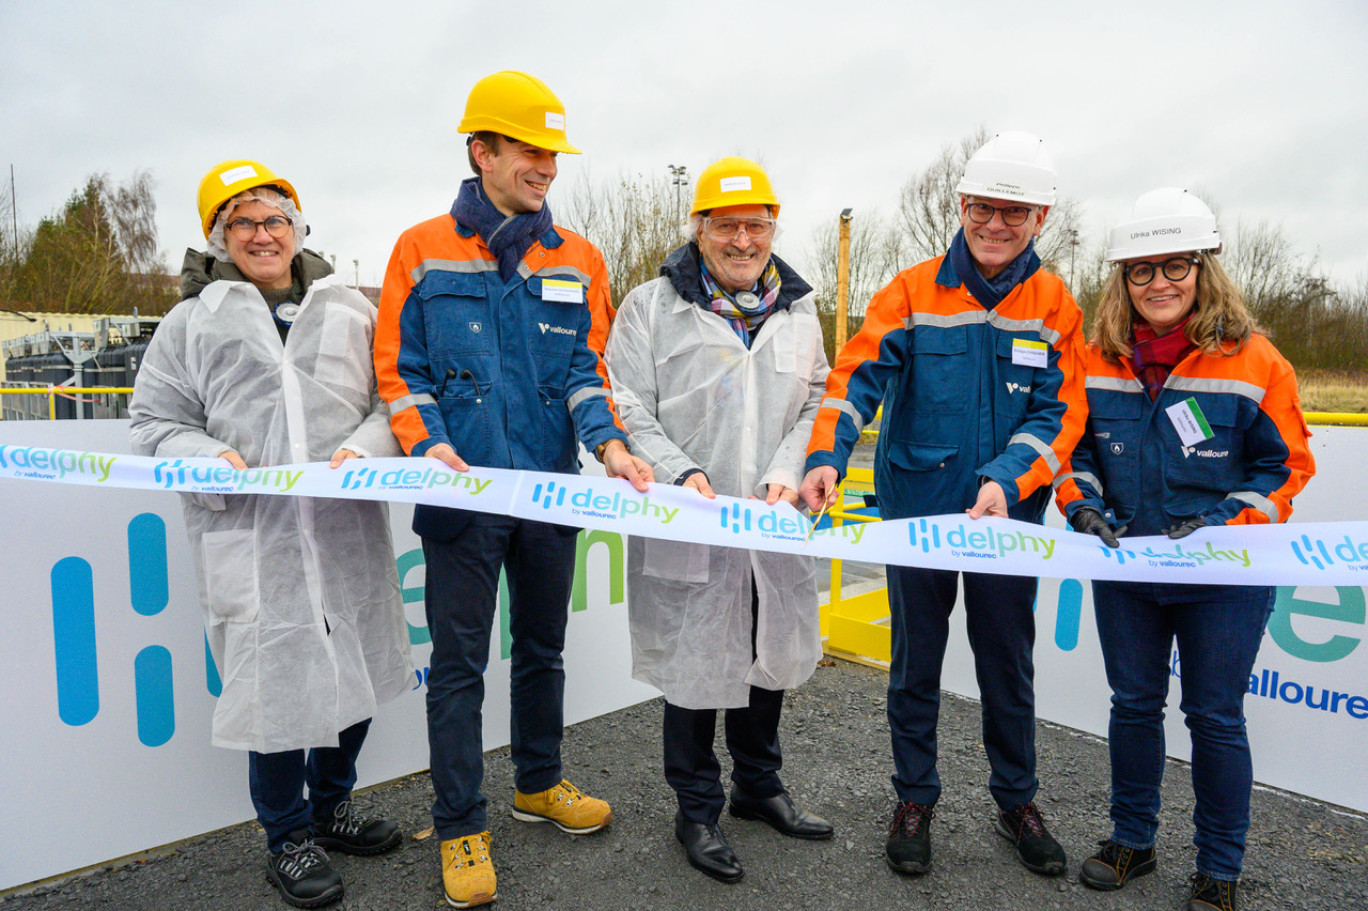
[[632, 220]]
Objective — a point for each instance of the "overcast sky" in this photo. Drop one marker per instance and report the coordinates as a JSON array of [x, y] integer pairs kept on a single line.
[[1261, 106]]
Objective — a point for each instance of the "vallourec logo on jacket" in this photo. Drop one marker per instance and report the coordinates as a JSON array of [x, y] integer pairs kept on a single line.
[[558, 330]]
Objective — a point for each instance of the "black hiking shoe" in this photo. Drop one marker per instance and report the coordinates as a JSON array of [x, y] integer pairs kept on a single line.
[[1115, 865], [909, 839], [1208, 894], [303, 874], [352, 833], [1035, 848]]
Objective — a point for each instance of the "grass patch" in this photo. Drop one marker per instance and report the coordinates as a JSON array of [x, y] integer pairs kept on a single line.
[[1337, 391]]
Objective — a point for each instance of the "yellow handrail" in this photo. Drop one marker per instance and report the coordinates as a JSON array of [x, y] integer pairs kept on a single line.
[[53, 391]]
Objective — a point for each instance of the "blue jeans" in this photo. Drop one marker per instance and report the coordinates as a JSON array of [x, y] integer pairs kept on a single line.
[[462, 591], [277, 784], [999, 613], [1218, 630]]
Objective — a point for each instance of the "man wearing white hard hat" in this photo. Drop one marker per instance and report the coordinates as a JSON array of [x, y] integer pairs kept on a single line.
[[976, 358], [1193, 421], [488, 351], [717, 368]]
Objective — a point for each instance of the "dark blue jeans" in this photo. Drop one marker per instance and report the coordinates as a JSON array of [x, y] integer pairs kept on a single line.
[[277, 783], [462, 591], [1218, 630], [1000, 616]]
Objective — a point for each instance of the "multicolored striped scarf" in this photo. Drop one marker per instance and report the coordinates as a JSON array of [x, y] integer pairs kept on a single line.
[[744, 320], [1155, 356]]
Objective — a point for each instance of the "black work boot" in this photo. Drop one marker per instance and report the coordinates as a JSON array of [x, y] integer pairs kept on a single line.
[[353, 833], [1211, 894], [302, 872], [1035, 848], [909, 839], [1115, 865]]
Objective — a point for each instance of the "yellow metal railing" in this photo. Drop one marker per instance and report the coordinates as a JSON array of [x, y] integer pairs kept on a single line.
[[52, 392], [857, 627]]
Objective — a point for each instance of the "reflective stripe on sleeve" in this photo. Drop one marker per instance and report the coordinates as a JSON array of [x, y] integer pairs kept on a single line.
[[580, 396], [1257, 501], [844, 406], [1079, 476], [1033, 441], [410, 401]]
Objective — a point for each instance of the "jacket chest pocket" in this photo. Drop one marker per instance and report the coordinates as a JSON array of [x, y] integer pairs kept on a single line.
[[456, 314], [1018, 358], [1215, 464], [1114, 421], [554, 310], [937, 377]]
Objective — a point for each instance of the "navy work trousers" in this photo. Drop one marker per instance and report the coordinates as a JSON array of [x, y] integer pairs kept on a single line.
[[462, 592], [1000, 615], [277, 784], [1218, 630]]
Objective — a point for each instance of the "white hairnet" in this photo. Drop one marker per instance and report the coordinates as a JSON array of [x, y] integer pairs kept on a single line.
[[271, 197]]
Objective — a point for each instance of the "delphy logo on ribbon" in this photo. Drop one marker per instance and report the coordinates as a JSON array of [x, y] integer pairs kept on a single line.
[[775, 523], [1317, 552], [56, 464], [219, 479], [413, 479], [984, 542], [1180, 557], [620, 504]]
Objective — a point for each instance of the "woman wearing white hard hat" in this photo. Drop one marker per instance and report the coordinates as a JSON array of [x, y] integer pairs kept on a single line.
[[1193, 421]]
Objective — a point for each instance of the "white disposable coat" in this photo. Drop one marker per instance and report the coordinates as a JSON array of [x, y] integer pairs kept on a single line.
[[691, 395], [300, 595]]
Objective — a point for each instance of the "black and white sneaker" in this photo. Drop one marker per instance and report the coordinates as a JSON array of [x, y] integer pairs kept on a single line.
[[303, 874], [352, 833]]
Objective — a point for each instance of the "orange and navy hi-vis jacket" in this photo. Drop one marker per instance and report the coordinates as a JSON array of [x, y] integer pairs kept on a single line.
[[1132, 464], [510, 374], [968, 393]]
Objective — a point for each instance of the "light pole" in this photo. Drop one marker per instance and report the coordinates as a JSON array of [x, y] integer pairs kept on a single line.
[[679, 176], [1073, 245], [356, 264]]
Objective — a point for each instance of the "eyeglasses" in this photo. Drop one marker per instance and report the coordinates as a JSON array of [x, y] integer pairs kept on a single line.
[[1175, 270], [980, 213], [727, 227], [246, 228]]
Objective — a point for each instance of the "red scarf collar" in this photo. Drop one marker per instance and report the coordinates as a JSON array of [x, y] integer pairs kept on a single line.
[[1155, 356]]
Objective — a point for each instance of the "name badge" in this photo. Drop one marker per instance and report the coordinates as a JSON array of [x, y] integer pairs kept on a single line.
[[1026, 353], [562, 291], [1189, 421]]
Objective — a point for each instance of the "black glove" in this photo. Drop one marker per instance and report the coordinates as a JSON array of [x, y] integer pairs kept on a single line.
[[1183, 529], [1091, 522]]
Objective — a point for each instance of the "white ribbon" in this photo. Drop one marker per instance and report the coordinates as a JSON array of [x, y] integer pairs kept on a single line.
[[1325, 553]]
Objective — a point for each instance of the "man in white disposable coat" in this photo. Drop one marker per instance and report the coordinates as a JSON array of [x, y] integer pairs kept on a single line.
[[268, 362], [717, 369]]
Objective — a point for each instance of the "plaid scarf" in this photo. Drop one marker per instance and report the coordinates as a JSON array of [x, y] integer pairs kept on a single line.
[[744, 321], [1155, 356]]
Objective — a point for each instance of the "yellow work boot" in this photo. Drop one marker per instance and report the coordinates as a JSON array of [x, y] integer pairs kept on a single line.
[[564, 807], [467, 871]]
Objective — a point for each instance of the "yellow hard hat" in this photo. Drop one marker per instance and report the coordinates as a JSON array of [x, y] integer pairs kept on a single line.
[[733, 181], [520, 106], [229, 178]]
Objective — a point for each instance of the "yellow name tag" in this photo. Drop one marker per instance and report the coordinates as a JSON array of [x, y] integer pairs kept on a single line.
[[1027, 353], [562, 290]]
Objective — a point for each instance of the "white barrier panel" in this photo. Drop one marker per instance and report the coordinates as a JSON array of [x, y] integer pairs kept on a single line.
[[106, 695], [1307, 709]]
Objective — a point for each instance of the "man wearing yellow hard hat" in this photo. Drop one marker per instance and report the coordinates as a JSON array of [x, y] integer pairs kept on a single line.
[[976, 357], [267, 361], [718, 371], [492, 320]]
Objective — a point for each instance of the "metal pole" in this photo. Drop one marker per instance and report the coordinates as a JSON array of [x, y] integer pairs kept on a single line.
[[842, 281]]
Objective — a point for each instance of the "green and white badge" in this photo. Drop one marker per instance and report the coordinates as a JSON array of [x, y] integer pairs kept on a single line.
[[562, 290], [1189, 421], [1028, 353]]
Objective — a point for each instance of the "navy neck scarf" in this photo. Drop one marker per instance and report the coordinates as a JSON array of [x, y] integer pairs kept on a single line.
[[508, 236], [990, 291]]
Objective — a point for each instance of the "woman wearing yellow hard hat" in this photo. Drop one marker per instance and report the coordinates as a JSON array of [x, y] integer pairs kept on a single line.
[[267, 361], [1193, 421]]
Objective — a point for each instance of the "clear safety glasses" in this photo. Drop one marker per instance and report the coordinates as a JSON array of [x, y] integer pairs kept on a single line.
[[726, 227], [980, 213], [246, 228], [1175, 270]]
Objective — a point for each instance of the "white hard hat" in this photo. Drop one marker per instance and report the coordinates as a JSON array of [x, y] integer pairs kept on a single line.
[[1011, 166], [1167, 220]]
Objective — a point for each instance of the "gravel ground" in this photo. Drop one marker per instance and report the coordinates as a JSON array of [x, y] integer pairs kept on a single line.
[[1302, 854]]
